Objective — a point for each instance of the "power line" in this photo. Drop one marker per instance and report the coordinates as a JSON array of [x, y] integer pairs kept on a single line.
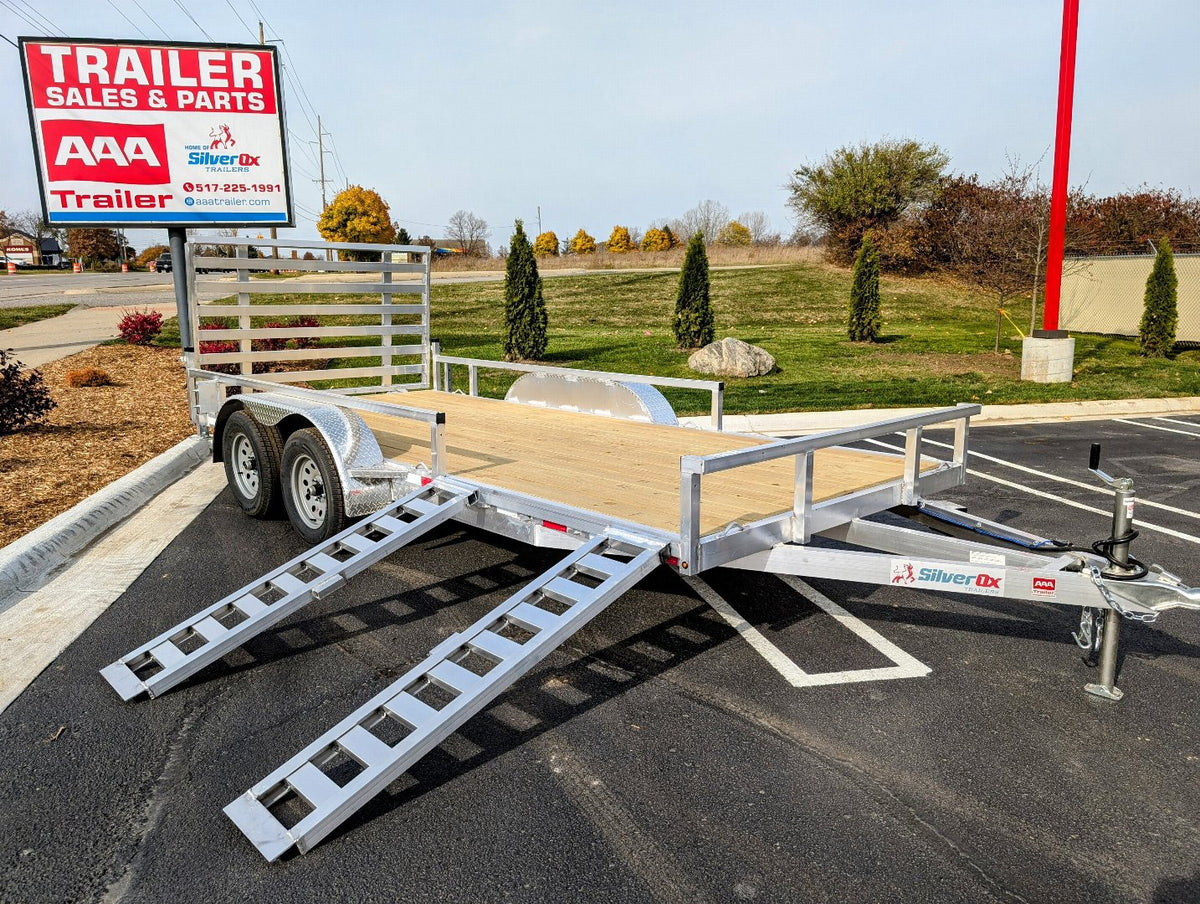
[[129, 20], [10, 40], [19, 14], [152, 19], [194, 22], [43, 18], [240, 19]]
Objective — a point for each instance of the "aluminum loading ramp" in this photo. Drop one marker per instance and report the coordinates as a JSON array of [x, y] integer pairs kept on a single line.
[[360, 756], [180, 652]]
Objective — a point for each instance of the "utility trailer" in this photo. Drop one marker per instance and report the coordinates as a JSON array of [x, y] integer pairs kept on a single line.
[[591, 463]]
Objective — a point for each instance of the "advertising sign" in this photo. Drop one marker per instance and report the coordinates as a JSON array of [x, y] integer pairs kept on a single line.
[[141, 134]]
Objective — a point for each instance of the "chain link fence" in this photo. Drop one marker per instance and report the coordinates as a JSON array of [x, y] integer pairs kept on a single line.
[[1104, 295]]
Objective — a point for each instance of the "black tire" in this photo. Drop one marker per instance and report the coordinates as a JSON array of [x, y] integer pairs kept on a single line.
[[312, 490], [251, 452]]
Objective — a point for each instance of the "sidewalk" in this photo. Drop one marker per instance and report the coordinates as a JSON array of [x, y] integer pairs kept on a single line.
[[35, 344]]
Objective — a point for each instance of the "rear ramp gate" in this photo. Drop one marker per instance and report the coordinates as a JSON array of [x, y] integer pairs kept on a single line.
[[340, 771], [205, 637]]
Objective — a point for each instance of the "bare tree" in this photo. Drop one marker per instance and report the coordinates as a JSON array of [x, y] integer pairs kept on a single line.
[[470, 232], [707, 217], [760, 227]]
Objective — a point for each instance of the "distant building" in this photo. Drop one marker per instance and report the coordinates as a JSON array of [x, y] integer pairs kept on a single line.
[[21, 248], [28, 251]]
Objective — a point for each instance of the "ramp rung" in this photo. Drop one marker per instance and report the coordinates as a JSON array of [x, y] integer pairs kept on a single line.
[[456, 676], [289, 584], [250, 605], [566, 591], [409, 709], [364, 746], [314, 786], [430, 727], [209, 628], [390, 524], [421, 507], [598, 565], [323, 563], [495, 645], [220, 638], [357, 543], [168, 655], [532, 617]]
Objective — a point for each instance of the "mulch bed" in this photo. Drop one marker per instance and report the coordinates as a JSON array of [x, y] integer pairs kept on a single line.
[[95, 435]]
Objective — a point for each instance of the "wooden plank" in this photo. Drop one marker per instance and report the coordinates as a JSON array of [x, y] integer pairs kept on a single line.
[[621, 468], [295, 287]]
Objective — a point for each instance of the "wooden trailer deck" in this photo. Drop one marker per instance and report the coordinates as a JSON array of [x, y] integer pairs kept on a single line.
[[622, 468]]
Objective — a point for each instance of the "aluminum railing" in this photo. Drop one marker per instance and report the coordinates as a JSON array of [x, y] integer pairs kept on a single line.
[[435, 419], [693, 467], [443, 378]]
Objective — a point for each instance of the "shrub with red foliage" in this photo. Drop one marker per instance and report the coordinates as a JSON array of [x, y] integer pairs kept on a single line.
[[140, 327]]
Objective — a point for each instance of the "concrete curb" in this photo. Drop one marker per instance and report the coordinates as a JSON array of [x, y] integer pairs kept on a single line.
[[795, 423], [27, 563]]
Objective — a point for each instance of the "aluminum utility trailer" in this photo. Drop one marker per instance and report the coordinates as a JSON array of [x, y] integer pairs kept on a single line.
[[591, 463]]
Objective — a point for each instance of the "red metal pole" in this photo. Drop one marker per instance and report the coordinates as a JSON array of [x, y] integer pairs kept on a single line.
[[1062, 162]]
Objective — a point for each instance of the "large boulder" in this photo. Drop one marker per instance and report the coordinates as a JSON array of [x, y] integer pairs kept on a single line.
[[731, 358]]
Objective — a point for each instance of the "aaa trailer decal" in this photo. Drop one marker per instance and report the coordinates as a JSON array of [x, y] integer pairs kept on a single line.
[[130, 133], [942, 576]]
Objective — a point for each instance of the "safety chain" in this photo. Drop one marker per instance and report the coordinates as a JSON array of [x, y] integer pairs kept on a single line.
[[1098, 580], [1091, 631]]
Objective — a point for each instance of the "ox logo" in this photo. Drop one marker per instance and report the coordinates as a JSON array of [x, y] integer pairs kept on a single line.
[[122, 153], [948, 576]]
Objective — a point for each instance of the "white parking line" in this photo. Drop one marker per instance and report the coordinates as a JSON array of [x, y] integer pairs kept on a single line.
[[906, 666], [1122, 420], [1075, 483], [1175, 420], [1140, 525]]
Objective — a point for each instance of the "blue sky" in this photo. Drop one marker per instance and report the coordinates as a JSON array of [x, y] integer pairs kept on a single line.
[[614, 112]]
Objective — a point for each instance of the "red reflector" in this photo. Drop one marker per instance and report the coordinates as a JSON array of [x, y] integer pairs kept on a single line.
[[553, 526], [426, 481], [672, 560]]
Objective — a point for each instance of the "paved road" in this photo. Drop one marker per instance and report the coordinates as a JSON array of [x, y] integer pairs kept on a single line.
[[657, 756]]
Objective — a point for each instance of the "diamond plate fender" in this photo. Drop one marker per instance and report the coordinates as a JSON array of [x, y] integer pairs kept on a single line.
[[351, 442]]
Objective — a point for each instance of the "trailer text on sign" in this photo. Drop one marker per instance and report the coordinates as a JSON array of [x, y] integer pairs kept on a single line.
[[155, 135]]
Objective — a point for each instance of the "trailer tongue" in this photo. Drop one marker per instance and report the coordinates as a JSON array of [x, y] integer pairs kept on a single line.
[[557, 470]]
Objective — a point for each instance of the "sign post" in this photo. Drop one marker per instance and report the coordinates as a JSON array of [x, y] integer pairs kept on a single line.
[[131, 134]]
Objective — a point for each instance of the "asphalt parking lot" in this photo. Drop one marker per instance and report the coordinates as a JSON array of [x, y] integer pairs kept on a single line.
[[657, 756]]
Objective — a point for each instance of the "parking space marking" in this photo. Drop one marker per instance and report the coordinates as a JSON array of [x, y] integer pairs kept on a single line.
[[904, 664], [1140, 525], [1075, 483], [1122, 420]]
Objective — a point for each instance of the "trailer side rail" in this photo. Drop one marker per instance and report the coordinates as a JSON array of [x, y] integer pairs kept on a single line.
[[442, 378], [209, 392], [698, 553], [267, 334]]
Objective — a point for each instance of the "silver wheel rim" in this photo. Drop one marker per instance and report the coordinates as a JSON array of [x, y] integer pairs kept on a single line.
[[308, 492], [245, 466]]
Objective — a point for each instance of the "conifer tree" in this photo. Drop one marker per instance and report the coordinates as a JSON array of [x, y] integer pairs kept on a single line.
[[865, 322], [525, 318], [1160, 313], [693, 313]]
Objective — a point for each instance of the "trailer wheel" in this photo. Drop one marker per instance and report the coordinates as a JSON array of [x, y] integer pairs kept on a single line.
[[252, 452], [312, 490]]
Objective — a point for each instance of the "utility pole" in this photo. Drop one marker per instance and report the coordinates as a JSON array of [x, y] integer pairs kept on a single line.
[[321, 161], [539, 219], [262, 39]]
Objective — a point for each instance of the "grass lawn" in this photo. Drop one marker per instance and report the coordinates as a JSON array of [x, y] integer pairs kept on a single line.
[[936, 347], [10, 317]]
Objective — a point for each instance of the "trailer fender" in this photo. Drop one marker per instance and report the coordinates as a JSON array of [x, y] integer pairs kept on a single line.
[[350, 441]]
